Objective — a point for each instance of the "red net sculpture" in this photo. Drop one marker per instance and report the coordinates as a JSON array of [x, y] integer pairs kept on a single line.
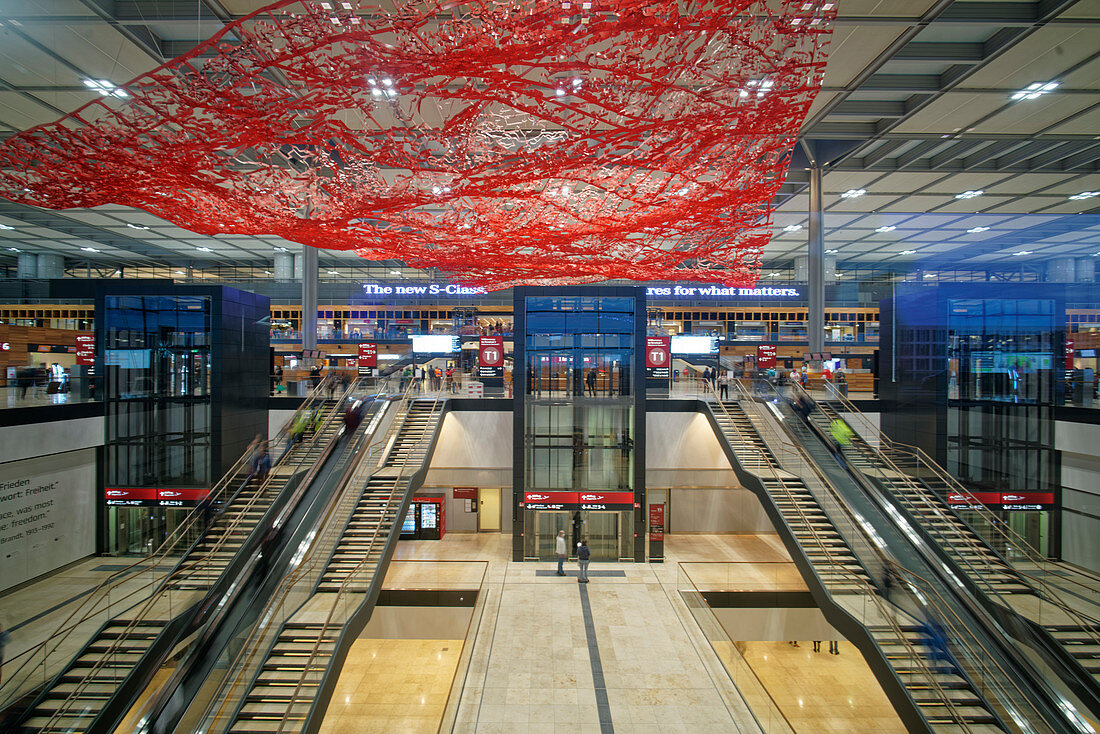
[[502, 142]]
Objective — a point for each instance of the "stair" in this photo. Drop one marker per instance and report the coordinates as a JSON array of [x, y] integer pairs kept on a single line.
[[845, 579], [93, 676], [376, 516]]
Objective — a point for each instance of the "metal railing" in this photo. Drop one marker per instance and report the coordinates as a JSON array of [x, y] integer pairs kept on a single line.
[[987, 676], [300, 585], [117, 593]]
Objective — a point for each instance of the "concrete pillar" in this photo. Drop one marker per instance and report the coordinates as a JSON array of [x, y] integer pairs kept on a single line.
[[815, 267], [284, 267], [309, 297], [802, 269], [26, 265], [51, 266], [1061, 270], [1085, 270]]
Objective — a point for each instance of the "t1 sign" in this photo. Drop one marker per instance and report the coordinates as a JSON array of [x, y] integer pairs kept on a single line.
[[657, 357], [490, 356]]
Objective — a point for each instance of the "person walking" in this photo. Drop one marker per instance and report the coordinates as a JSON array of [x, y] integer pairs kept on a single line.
[[590, 383], [724, 386], [562, 549], [584, 556], [261, 464], [315, 376]]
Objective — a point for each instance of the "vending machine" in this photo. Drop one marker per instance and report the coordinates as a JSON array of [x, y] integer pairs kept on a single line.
[[426, 518]]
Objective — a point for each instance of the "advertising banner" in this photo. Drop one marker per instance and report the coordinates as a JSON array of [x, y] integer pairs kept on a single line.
[[85, 350], [658, 359], [765, 356], [368, 357], [657, 523], [490, 357]]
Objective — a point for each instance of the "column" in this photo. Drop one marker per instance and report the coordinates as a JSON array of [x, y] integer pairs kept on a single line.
[[26, 265], [51, 266], [309, 297], [1085, 270], [284, 267], [815, 265], [1061, 270]]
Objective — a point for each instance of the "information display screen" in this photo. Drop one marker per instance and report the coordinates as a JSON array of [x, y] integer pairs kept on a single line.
[[435, 343], [694, 345]]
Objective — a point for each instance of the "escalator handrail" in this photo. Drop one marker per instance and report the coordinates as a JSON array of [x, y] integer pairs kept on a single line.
[[160, 700], [425, 432], [89, 608], [995, 523], [1005, 682], [251, 647], [150, 602], [941, 609], [835, 563]]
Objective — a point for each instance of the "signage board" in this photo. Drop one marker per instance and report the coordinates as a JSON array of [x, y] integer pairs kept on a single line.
[[694, 344], [1003, 500], [435, 343], [656, 522], [368, 357], [5, 346], [718, 292], [765, 356], [422, 289], [465, 493], [154, 496], [1069, 354], [490, 356], [658, 357], [609, 501]]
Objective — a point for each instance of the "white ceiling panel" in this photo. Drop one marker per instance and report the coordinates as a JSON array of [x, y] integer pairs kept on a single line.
[[1043, 56]]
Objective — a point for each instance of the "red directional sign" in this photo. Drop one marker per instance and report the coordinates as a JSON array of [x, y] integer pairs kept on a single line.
[[658, 359], [490, 356], [765, 356]]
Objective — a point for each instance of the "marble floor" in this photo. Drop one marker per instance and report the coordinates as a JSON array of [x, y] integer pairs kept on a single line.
[[823, 693]]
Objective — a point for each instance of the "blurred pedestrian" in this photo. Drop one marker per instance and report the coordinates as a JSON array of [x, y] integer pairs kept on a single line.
[[562, 550]]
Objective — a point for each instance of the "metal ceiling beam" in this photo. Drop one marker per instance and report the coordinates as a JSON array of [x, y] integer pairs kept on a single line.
[[940, 51]]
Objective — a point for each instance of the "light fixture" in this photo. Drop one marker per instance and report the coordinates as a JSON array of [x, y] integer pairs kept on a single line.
[[14, 249], [976, 230], [106, 88], [1036, 90], [6, 227], [179, 272], [204, 249], [792, 228], [267, 272], [831, 252], [1021, 252], [853, 193], [281, 249], [908, 252], [395, 272], [333, 272], [89, 249], [135, 226], [1075, 197], [969, 194], [774, 275], [888, 228]]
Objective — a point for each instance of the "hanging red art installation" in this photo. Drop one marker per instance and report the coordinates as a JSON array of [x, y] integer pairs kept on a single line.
[[502, 142]]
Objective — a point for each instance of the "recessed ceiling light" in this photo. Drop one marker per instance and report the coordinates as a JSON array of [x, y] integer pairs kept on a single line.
[[395, 272], [204, 249], [908, 252], [1021, 252], [179, 272], [281, 249], [106, 88], [976, 230], [6, 227], [1075, 197], [14, 249], [89, 249], [888, 228], [135, 226], [333, 272], [792, 228], [831, 252], [774, 275], [1036, 90], [853, 193], [267, 272], [969, 194]]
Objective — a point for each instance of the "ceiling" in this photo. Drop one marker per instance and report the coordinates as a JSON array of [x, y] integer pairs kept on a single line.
[[916, 108]]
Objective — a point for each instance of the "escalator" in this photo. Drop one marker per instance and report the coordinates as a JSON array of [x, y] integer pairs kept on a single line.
[[926, 699], [279, 671], [992, 661], [1067, 636], [87, 689]]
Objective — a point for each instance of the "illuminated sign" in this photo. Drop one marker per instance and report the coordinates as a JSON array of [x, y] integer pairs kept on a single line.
[[435, 343], [154, 496], [694, 345], [657, 357], [765, 356], [490, 356], [422, 289], [718, 292], [5, 346]]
